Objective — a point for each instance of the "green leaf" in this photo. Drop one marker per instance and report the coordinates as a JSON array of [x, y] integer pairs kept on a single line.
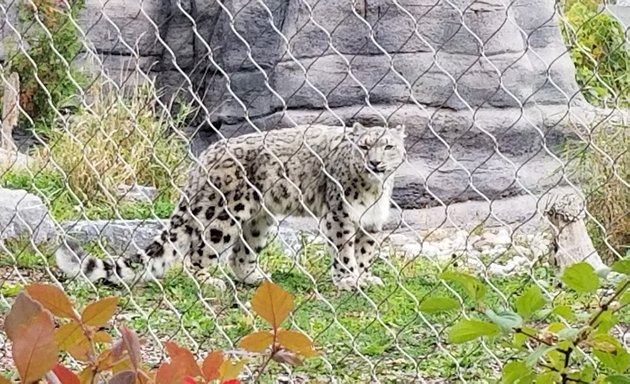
[[618, 379], [564, 311], [625, 298], [516, 372], [568, 333], [581, 277], [548, 378], [605, 321], [622, 266], [474, 288], [539, 352], [438, 304], [506, 320], [619, 361], [470, 329], [529, 302]]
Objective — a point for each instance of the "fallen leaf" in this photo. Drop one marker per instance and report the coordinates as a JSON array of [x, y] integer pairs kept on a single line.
[[296, 342], [272, 303], [53, 299], [34, 349], [256, 342], [98, 313], [211, 365], [22, 312]]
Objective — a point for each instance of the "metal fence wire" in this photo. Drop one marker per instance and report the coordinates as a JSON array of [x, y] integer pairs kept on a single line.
[[513, 111]]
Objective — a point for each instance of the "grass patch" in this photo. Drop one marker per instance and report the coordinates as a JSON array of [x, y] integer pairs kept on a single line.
[[380, 334], [602, 167]]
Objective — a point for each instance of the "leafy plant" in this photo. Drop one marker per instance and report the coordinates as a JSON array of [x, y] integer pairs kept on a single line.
[[38, 342], [52, 40], [552, 342], [118, 140], [599, 51]]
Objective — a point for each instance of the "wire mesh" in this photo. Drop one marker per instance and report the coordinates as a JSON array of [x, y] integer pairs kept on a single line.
[[507, 105]]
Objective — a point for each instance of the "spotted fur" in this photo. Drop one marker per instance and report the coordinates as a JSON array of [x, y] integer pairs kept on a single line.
[[344, 176]]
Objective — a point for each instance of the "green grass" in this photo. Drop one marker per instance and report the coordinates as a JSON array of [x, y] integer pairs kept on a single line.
[[380, 333], [52, 188]]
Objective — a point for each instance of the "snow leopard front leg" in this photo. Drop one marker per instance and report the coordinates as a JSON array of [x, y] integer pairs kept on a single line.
[[340, 231]]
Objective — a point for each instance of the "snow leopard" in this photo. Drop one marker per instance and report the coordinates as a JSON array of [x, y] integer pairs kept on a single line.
[[343, 176]]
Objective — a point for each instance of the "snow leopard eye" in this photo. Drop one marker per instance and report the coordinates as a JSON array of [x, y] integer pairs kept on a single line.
[[364, 147], [389, 147]]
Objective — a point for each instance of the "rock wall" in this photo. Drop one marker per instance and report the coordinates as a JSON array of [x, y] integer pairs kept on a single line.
[[485, 91]]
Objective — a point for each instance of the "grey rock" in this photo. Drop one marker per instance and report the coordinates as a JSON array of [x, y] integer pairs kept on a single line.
[[23, 214], [120, 237], [137, 193]]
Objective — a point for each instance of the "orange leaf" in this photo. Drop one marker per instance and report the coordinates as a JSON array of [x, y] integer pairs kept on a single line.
[[230, 369], [86, 375], [169, 373], [211, 365], [65, 375], [184, 358], [4, 380], [296, 342], [257, 341], [81, 350], [53, 299], [34, 349], [98, 313], [68, 335], [102, 337], [272, 303], [22, 312]]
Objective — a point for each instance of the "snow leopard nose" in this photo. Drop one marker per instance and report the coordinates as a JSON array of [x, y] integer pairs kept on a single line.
[[375, 165]]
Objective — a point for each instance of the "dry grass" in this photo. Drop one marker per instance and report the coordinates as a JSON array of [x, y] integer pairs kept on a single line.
[[602, 167], [118, 140]]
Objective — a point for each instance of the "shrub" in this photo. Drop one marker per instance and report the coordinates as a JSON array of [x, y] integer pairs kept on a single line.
[[38, 342], [118, 140], [599, 51], [53, 41], [552, 342]]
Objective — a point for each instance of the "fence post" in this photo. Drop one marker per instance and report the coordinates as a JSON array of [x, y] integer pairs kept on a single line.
[[10, 111]]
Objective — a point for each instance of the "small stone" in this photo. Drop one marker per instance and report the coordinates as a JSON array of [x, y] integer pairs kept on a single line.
[[24, 214], [136, 193]]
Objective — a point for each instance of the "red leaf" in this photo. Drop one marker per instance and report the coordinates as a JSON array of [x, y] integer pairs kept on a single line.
[[170, 373], [132, 345], [189, 380], [23, 310], [65, 375], [34, 349], [53, 299], [212, 365], [184, 358]]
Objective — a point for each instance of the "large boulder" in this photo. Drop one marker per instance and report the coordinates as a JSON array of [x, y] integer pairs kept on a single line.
[[24, 215], [487, 89]]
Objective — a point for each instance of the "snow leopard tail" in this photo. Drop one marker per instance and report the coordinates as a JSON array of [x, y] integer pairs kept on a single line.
[[74, 261]]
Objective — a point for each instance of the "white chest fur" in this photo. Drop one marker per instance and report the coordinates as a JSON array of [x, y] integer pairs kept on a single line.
[[374, 211]]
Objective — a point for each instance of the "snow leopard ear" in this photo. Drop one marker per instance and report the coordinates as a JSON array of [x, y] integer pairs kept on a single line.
[[358, 129], [400, 129]]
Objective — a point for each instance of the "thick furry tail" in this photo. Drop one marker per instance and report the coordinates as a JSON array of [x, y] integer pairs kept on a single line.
[[74, 261]]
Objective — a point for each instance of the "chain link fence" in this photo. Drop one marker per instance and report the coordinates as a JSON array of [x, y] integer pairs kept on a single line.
[[515, 114]]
